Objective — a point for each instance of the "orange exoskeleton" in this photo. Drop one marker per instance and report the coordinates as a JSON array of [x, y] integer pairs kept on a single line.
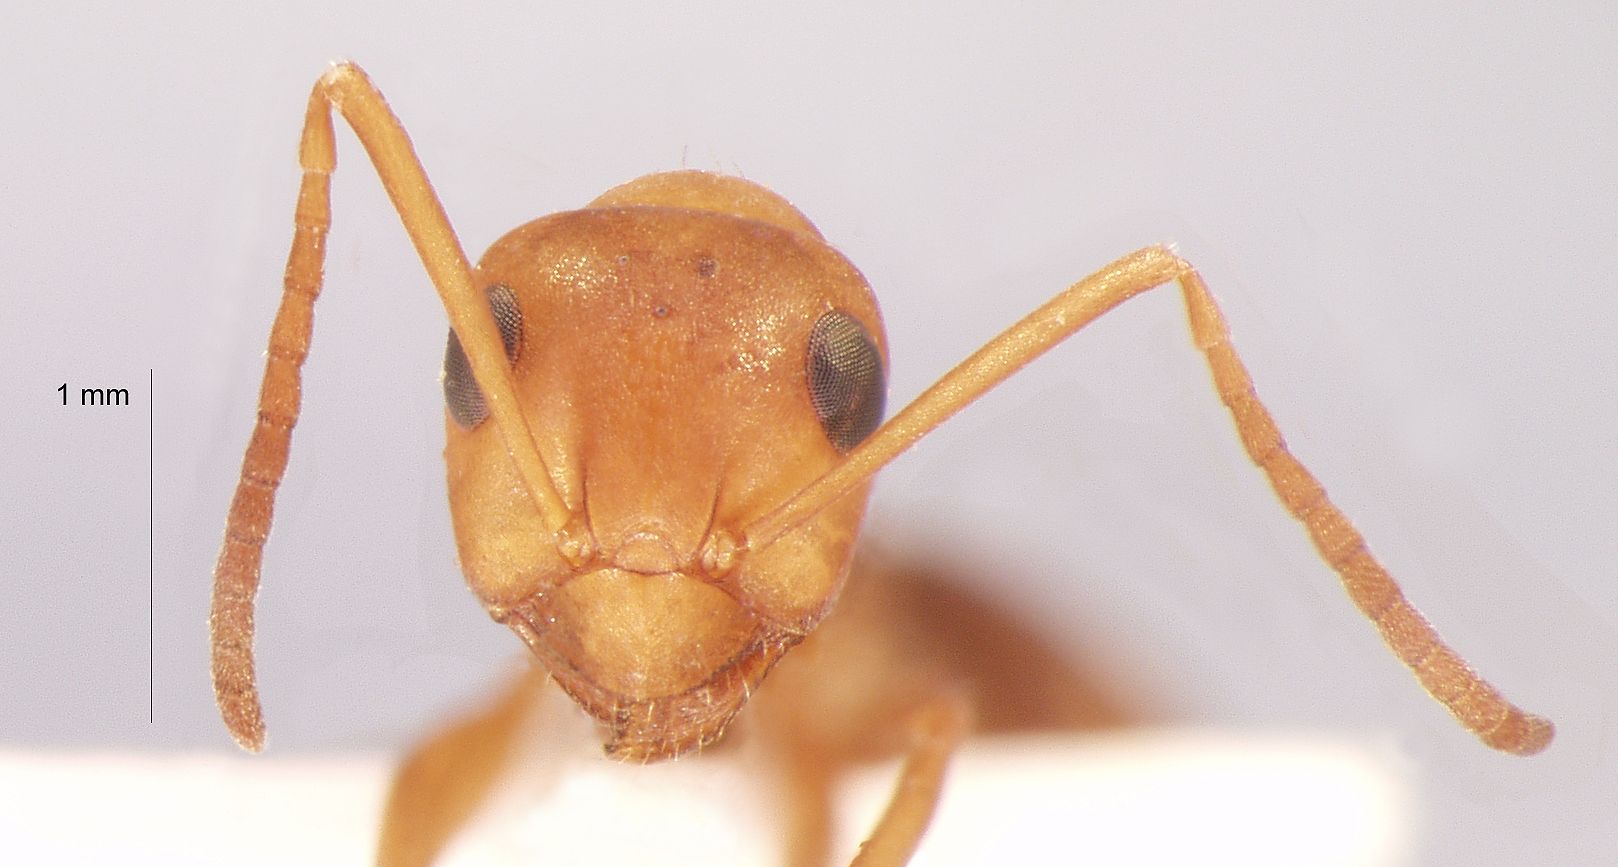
[[664, 411]]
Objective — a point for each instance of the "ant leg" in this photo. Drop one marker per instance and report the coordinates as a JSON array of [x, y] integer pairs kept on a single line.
[[844, 697], [810, 777], [936, 730], [1477, 705], [236, 577], [447, 777]]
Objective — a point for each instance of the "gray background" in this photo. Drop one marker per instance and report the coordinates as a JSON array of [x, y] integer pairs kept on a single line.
[[1409, 215]]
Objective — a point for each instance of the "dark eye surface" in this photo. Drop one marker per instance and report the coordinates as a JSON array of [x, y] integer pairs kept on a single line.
[[461, 392], [846, 384]]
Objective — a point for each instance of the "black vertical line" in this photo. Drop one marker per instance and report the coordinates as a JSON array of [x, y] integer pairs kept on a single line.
[[151, 546]]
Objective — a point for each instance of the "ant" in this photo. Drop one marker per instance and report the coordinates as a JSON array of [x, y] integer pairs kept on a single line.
[[664, 412]]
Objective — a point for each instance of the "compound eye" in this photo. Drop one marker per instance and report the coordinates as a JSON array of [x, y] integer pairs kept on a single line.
[[846, 382], [461, 392]]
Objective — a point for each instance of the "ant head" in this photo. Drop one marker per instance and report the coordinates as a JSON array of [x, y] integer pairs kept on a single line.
[[688, 354]]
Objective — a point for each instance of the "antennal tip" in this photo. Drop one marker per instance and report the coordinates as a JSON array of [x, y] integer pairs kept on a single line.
[[1521, 734], [242, 716]]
